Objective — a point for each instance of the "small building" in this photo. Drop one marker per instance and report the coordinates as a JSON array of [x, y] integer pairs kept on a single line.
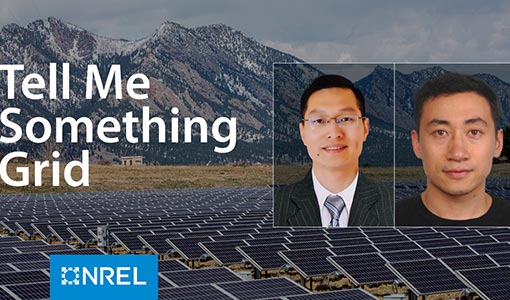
[[132, 160]]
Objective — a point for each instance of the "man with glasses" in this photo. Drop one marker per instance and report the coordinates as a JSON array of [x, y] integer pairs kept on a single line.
[[333, 193]]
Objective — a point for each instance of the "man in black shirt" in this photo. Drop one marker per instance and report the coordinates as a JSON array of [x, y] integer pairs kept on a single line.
[[457, 118]]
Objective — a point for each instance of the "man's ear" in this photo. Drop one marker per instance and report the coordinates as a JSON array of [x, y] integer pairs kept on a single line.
[[366, 128], [499, 143], [301, 132], [415, 140]]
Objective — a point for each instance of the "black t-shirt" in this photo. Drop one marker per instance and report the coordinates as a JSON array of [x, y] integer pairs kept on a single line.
[[412, 212]]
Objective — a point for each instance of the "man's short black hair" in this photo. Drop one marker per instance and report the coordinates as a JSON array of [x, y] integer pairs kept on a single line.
[[454, 83], [332, 81]]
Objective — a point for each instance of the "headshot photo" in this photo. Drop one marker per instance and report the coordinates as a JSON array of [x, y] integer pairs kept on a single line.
[[333, 127], [458, 137]]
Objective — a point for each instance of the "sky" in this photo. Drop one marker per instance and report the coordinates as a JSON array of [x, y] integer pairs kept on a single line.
[[315, 31]]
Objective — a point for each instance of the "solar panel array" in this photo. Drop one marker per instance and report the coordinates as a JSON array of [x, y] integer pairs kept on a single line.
[[234, 226]]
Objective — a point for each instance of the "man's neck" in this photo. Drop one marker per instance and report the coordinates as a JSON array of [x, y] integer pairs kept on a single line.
[[463, 207], [335, 180]]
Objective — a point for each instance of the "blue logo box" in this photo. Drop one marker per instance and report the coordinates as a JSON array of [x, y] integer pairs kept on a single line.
[[103, 277]]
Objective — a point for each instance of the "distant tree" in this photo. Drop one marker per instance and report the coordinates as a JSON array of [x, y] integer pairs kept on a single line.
[[46, 150]]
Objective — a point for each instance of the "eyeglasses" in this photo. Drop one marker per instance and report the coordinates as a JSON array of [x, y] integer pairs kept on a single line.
[[341, 121]]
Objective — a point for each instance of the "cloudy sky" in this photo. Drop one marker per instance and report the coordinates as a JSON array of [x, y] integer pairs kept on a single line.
[[318, 31]]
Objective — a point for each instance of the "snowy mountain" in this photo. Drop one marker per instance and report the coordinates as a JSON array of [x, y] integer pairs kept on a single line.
[[209, 71]]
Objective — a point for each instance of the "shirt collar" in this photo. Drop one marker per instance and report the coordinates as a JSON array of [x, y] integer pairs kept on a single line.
[[347, 194]]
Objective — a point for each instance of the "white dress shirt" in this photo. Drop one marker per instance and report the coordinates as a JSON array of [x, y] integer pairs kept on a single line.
[[347, 195]]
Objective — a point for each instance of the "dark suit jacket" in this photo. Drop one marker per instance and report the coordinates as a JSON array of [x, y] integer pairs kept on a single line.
[[296, 204]]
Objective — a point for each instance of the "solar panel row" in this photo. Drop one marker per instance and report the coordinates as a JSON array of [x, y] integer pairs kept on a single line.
[[234, 225]]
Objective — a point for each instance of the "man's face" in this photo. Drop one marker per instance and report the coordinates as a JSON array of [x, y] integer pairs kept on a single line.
[[331, 146], [456, 142]]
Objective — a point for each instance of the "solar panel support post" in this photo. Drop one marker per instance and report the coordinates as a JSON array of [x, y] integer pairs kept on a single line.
[[103, 234], [412, 295], [257, 273]]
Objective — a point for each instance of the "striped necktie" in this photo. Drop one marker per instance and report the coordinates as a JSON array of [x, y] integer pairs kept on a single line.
[[335, 204]]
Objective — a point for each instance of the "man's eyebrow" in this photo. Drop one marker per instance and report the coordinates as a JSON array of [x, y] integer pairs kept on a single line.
[[476, 120], [320, 111], [438, 122], [467, 122]]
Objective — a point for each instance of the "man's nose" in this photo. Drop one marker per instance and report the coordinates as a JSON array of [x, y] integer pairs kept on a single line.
[[457, 150], [334, 130]]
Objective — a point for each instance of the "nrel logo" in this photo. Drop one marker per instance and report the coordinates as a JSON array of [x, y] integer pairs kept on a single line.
[[103, 277]]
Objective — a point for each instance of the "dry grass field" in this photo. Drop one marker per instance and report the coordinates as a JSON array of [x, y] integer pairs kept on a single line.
[[113, 178]]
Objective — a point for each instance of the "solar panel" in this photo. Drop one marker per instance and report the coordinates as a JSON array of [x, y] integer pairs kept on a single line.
[[373, 232], [414, 230], [307, 231], [32, 265], [198, 292], [491, 248], [488, 283], [356, 249], [15, 243], [461, 233], [8, 239], [363, 268], [211, 233], [21, 257], [336, 235], [30, 291], [6, 268], [83, 251], [494, 230], [129, 240], [393, 246], [304, 238], [389, 239], [353, 294], [503, 259], [201, 276], [224, 252], [263, 257], [307, 245], [244, 236], [188, 248], [80, 233], [407, 255], [451, 251], [157, 243], [171, 265], [468, 262], [23, 277], [425, 236], [437, 243], [502, 237], [164, 283], [349, 242], [45, 248], [39, 228], [270, 234], [309, 262], [4, 295], [419, 274], [263, 241], [474, 240], [9, 251], [60, 232], [263, 288]]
